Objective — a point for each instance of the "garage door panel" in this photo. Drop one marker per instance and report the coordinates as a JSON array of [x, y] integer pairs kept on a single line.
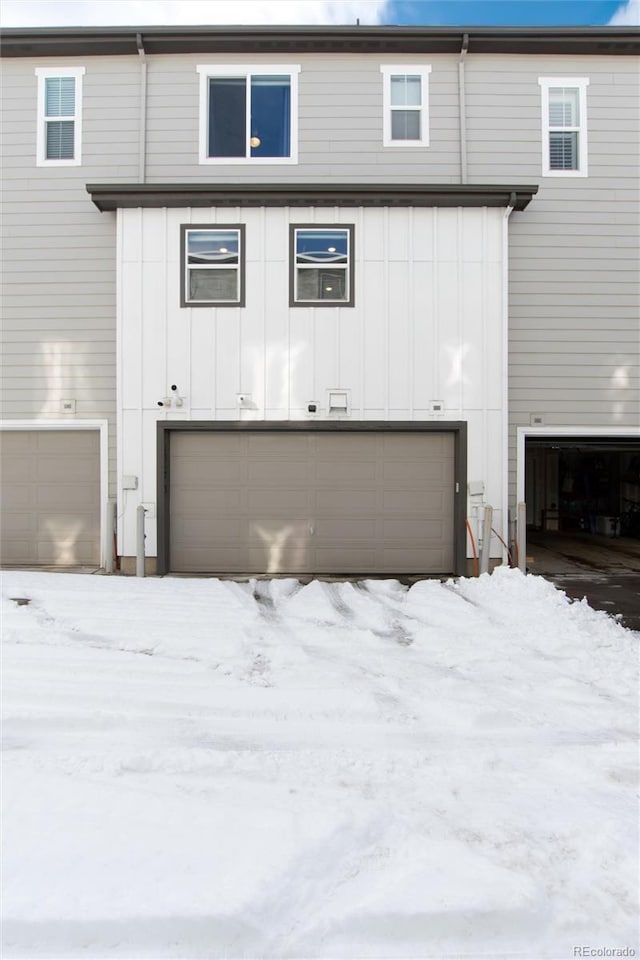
[[359, 446], [350, 528], [279, 502], [430, 446], [418, 503], [341, 503], [277, 445], [62, 497], [17, 497], [202, 528], [52, 470], [408, 472], [404, 531], [204, 500], [194, 473], [342, 471], [19, 523], [345, 502], [50, 481], [273, 472], [17, 469]]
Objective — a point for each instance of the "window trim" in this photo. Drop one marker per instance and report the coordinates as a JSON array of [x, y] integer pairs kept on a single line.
[[43, 74], [405, 69], [241, 267], [349, 270], [577, 83], [246, 70]]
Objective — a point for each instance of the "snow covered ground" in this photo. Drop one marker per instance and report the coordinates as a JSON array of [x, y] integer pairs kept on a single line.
[[197, 768]]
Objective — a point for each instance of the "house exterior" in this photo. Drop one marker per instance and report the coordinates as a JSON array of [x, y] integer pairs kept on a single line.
[[312, 297]]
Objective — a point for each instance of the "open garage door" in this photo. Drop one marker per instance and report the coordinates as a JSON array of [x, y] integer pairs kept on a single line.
[[311, 502]]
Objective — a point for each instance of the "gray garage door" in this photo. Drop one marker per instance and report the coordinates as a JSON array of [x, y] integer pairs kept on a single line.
[[332, 503], [50, 497]]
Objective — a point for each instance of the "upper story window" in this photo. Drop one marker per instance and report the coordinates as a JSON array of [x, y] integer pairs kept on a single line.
[[564, 126], [248, 114], [321, 265], [406, 106], [212, 265], [59, 135]]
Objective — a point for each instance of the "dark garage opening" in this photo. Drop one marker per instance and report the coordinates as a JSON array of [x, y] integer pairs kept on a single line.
[[582, 493]]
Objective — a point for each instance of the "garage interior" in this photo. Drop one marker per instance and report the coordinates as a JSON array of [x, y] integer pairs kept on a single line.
[[583, 498]]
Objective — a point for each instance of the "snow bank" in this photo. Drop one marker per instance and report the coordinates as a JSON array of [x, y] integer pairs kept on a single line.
[[198, 768]]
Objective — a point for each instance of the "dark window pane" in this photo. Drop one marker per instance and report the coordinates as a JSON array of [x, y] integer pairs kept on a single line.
[[322, 246], [60, 140], [213, 285], [227, 117], [563, 151], [59, 96], [318, 284], [270, 116], [212, 246], [405, 125]]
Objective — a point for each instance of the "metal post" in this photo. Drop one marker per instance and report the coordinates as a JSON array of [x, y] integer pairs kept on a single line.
[[111, 521], [521, 536], [140, 512], [486, 539]]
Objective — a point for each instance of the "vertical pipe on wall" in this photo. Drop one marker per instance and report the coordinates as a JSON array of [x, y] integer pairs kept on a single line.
[[142, 135], [521, 536], [462, 103], [110, 535], [485, 550], [505, 368], [140, 512]]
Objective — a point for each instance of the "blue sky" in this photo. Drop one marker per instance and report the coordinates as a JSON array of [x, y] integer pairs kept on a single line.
[[39, 13], [503, 12]]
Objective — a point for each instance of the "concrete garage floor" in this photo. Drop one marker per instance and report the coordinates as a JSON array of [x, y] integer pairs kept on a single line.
[[605, 570]]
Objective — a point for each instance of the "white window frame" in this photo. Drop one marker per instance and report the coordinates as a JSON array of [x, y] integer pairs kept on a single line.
[[247, 70], [399, 70], [43, 74], [576, 83]]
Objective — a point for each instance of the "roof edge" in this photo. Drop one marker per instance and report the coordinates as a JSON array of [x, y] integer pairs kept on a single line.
[[125, 40], [114, 196]]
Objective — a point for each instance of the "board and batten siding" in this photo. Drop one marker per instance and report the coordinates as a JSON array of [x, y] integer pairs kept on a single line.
[[427, 325], [59, 252]]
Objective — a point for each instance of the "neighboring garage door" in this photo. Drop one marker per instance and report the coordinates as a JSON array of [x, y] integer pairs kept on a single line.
[[324, 503], [50, 497]]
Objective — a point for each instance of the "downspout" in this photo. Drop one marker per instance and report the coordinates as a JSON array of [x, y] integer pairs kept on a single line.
[[505, 373], [463, 109], [142, 139]]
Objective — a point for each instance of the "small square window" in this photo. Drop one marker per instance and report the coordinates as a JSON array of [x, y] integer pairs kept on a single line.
[[212, 260], [59, 116], [405, 104], [321, 266]]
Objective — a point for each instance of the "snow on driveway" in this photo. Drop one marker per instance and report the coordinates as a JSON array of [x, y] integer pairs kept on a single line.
[[199, 768]]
